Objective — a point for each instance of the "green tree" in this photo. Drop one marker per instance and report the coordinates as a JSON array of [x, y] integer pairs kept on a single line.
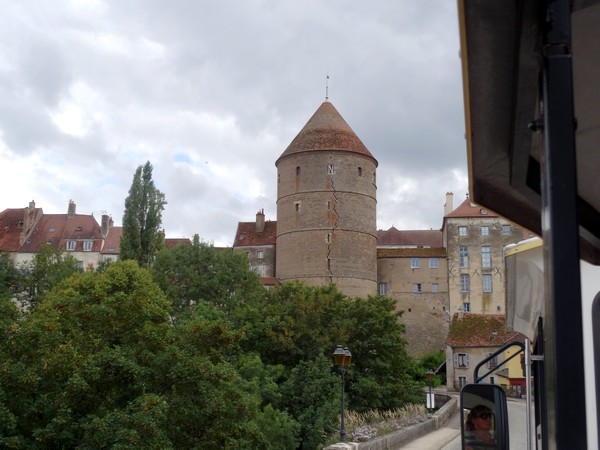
[[294, 323], [142, 237], [432, 361], [313, 399], [383, 376], [45, 271], [189, 274], [100, 365], [280, 430], [10, 276]]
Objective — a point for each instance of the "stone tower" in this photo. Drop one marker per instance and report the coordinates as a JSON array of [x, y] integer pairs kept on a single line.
[[326, 207]]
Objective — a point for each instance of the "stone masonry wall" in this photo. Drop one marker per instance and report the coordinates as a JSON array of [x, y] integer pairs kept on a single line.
[[326, 220]]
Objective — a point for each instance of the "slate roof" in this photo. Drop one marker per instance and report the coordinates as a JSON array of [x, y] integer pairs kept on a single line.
[[479, 330], [326, 130], [393, 236], [247, 236], [503, 373]]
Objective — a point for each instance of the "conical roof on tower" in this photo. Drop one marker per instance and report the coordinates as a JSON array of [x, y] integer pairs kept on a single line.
[[326, 130]]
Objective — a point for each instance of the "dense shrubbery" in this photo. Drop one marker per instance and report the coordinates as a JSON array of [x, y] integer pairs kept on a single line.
[[192, 354]]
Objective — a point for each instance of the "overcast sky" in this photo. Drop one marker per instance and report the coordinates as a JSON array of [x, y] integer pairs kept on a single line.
[[211, 92]]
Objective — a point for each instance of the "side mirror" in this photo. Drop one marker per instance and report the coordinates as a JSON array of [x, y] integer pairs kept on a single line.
[[483, 417]]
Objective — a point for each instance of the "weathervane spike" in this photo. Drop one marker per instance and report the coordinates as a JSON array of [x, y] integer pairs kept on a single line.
[[327, 87]]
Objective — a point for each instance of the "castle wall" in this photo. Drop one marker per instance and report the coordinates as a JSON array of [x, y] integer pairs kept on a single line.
[[425, 313]]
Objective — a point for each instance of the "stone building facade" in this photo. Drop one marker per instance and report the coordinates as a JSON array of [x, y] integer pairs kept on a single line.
[[474, 238]]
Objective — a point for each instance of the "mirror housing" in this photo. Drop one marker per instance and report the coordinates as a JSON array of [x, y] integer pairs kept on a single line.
[[490, 398]]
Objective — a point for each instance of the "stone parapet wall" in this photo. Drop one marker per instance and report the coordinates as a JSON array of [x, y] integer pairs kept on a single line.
[[397, 439]]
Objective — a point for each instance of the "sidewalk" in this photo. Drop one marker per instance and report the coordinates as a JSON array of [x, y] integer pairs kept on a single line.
[[439, 438], [433, 441]]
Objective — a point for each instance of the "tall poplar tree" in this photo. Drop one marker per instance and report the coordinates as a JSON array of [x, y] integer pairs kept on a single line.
[[142, 237]]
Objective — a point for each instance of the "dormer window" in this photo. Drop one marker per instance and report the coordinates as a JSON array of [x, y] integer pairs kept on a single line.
[[79, 229], [87, 246], [70, 246]]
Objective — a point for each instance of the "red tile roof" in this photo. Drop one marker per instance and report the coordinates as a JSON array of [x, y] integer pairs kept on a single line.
[[11, 226], [112, 242], [479, 330], [469, 209], [57, 229], [269, 281], [326, 130], [174, 242], [247, 236], [393, 236]]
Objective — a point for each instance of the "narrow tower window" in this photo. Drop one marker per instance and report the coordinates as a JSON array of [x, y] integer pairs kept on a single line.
[[297, 170], [330, 169], [360, 171], [297, 206]]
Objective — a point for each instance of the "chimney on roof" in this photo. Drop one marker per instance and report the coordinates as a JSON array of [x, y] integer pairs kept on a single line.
[[72, 208], [260, 221], [448, 207], [29, 219], [106, 224]]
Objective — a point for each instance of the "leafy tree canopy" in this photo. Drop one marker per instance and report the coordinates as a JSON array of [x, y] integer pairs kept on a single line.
[[189, 274], [99, 364], [10, 276], [47, 269], [293, 323]]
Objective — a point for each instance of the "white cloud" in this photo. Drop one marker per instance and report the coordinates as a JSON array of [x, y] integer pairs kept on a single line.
[[212, 94]]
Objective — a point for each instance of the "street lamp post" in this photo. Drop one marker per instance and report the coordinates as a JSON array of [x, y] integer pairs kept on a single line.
[[430, 402], [341, 359]]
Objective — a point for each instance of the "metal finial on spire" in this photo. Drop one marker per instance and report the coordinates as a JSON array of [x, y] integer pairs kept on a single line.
[[327, 87]]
